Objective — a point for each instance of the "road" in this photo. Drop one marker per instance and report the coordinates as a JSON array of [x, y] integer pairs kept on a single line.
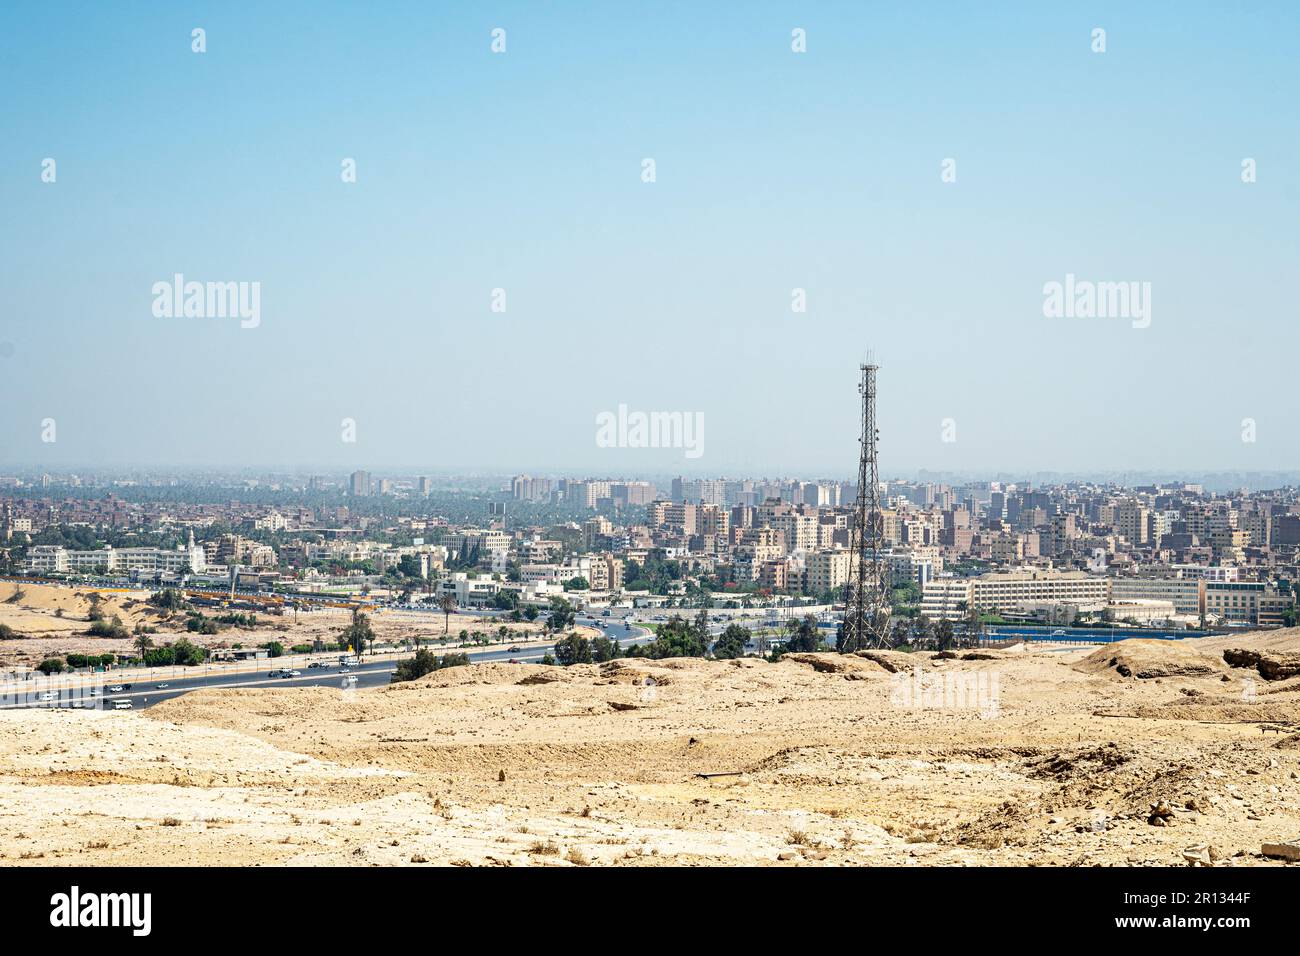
[[376, 673]]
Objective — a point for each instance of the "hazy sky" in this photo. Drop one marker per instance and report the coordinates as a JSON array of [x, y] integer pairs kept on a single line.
[[775, 170]]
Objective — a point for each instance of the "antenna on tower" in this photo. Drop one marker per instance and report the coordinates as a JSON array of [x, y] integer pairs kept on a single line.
[[866, 598]]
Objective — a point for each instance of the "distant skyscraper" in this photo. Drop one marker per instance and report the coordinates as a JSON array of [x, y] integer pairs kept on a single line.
[[425, 486], [360, 484]]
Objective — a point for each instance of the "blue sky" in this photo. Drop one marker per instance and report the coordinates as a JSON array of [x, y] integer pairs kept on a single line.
[[775, 170]]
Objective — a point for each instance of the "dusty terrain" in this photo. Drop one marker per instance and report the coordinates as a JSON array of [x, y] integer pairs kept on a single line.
[[1025, 757]]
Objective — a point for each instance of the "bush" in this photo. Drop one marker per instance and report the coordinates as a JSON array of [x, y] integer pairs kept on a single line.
[[90, 660], [51, 665], [236, 619], [183, 652], [103, 628], [426, 662], [197, 623], [168, 599], [274, 649]]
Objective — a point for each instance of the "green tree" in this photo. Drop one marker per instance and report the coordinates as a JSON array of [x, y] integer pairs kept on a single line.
[[803, 635], [357, 634], [562, 615], [426, 662], [573, 649], [603, 649], [731, 642], [447, 604]]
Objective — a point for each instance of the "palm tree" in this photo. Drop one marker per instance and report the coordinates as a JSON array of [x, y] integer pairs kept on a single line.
[[143, 643], [448, 604]]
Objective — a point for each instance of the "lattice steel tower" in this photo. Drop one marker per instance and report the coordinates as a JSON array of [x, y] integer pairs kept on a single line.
[[866, 597]]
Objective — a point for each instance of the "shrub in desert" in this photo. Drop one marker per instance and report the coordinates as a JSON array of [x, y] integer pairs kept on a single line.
[[426, 662]]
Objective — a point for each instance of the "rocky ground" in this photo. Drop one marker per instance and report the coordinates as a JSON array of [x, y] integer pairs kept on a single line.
[[1140, 753]]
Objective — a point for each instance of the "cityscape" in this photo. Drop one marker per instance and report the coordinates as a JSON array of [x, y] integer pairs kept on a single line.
[[1168, 555]]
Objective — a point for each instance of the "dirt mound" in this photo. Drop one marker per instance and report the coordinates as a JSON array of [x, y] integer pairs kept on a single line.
[[486, 673], [1282, 640], [1218, 710], [1271, 665], [1147, 659], [892, 661], [1080, 763], [829, 663]]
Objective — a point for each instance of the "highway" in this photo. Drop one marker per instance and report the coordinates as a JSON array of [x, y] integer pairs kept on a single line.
[[369, 673]]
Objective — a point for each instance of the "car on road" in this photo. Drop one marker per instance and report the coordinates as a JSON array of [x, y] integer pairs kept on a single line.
[[314, 664], [118, 688], [46, 696], [349, 679], [514, 650], [163, 686], [288, 673], [123, 705]]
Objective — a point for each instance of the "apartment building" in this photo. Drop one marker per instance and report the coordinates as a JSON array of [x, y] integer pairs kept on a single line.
[[1009, 590], [826, 570], [46, 559], [1186, 594], [527, 488], [1236, 602]]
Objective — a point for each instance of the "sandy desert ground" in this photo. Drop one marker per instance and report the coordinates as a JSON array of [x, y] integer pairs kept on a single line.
[[1140, 753]]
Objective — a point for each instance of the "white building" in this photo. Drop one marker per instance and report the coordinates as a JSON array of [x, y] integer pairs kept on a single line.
[[45, 559]]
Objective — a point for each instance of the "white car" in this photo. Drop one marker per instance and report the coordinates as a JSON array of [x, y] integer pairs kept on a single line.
[[290, 673], [46, 696], [349, 679]]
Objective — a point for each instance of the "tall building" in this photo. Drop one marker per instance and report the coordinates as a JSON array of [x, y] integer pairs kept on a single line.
[[360, 484]]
